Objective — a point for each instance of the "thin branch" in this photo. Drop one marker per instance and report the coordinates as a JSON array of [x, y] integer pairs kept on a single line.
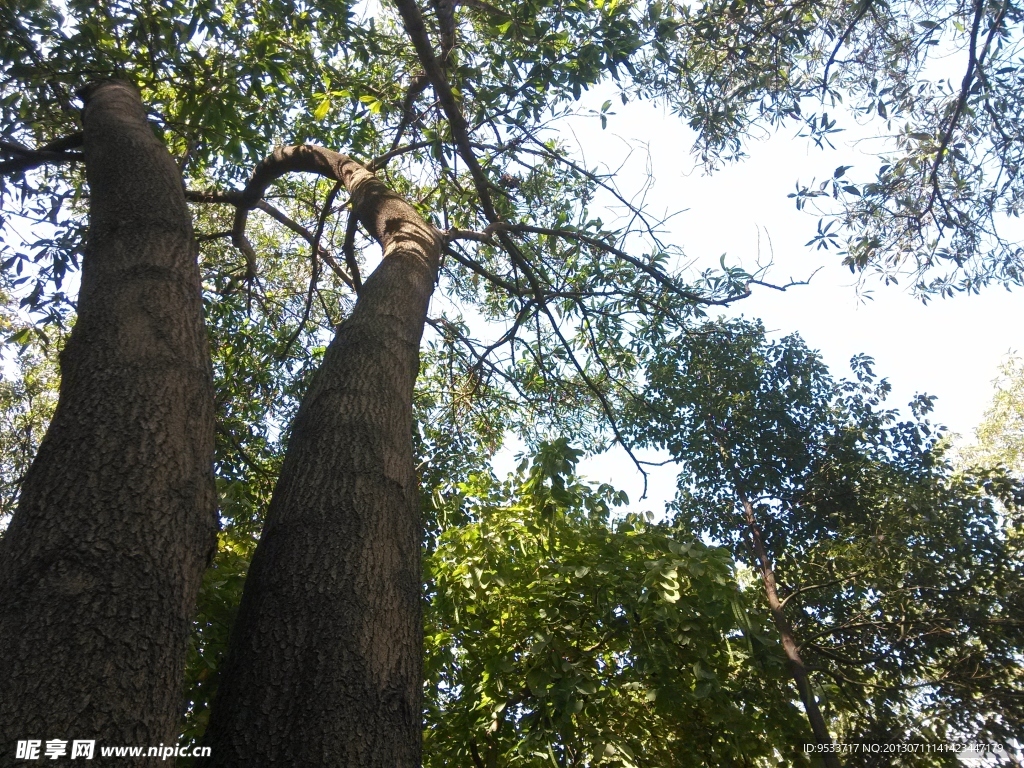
[[800, 590], [213, 236], [785, 286], [311, 291], [507, 338], [249, 460], [417, 32], [483, 272], [367, 194], [315, 251], [663, 463], [379, 162], [417, 84], [974, 61], [842, 39], [477, 761], [322, 219], [348, 248], [445, 327], [487, 236], [659, 276], [591, 385], [231, 197], [544, 151], [308, 236]]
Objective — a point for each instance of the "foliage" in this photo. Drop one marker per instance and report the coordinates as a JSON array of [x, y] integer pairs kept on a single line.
[[219, 597], [1000, 436], [560, 633], [546, 311], [28, 396], [943, 202], [901, 577], [938, 82]]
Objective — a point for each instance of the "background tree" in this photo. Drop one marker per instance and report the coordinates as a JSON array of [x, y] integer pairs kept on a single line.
[[560, 633], [27, 400], [999, 438], [899, 577]]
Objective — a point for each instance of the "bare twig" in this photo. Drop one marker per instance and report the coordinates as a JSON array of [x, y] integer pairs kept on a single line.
[[479, 269]]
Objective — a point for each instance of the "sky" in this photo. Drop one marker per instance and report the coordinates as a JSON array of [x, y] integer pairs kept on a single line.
[[950, 348]]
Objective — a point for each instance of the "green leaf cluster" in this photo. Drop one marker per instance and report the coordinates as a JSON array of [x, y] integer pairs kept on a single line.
[[900, 575], [561, 633]]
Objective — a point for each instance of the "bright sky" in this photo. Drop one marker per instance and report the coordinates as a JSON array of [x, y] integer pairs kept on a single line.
[[949, 348]]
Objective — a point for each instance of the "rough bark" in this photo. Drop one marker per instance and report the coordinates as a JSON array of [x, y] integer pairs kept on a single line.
[[324, 667], [101, 564]]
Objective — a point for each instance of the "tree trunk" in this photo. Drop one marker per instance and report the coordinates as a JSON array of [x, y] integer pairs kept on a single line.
[[324, 667], [101, 564], [789, 645]]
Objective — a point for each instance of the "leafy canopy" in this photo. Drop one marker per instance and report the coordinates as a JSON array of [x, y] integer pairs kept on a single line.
[[559, 631], [900, 575]]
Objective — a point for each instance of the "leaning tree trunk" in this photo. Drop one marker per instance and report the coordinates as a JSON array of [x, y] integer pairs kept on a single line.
[[101, 564], [797, 669], [324, 667]]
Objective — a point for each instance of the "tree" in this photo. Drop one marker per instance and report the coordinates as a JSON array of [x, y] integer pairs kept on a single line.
[[704, 421], [345, 506], [936, 80], [560, 633], [367, 436], [1000, 436], [896, 580], [565, 296], [115, 522]]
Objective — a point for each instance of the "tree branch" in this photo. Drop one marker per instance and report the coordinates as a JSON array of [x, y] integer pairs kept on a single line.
[[660, 277], [974, 61], [379, 162], [25, 159], [866, 5], [800, 590], [384, 213], [308, 236], [479, 269], [417, 32]]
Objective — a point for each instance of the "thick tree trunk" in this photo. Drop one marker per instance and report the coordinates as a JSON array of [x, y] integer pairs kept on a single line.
[[101, 564], [324, 667]]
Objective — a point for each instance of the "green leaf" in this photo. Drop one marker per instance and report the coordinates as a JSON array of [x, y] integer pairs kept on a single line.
[[322, 108]]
